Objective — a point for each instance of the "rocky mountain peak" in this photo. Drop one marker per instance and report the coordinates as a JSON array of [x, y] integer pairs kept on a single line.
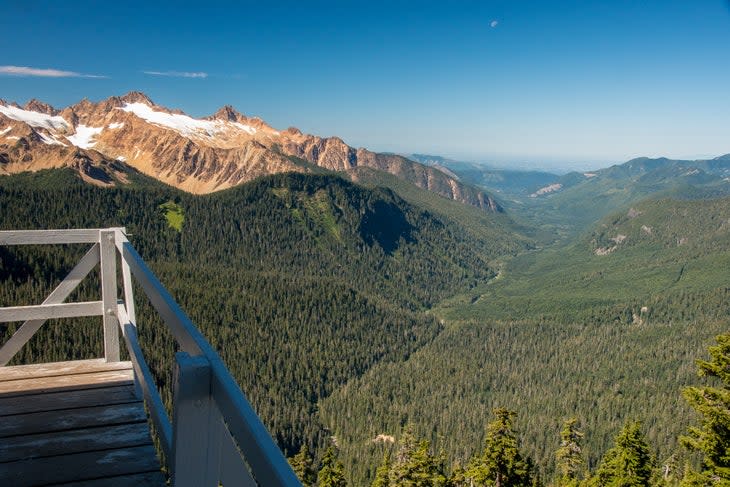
[[136, 97], [293, 131], [228, 114], [38, 106], [83, 105]]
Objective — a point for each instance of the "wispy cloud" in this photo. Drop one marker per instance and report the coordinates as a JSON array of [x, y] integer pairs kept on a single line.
[[43, 72], [178, 74], [493, 24]]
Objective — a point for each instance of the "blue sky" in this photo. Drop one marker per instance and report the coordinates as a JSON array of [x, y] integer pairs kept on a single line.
[[546, 83]]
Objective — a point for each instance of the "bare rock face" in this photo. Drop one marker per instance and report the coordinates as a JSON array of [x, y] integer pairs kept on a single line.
[[30, 151], [227, 113], [38, 106], [196, 155]]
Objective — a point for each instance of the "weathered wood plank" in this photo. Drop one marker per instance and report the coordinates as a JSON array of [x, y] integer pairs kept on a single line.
[[51, 369], [147, 479], [66, 399], [77, 381], [79, 466], [74, 441], [109, 294], [62, 291], [65, 419], [36, 237], [51, 311]]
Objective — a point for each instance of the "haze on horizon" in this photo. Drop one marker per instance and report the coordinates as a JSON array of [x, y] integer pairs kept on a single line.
[[544, 84]]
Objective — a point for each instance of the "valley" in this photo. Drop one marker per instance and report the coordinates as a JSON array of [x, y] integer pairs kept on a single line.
[[353, 303]]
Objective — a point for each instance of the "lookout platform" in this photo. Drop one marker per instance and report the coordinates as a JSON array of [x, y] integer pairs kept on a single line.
[[86, 423], [74, 422]]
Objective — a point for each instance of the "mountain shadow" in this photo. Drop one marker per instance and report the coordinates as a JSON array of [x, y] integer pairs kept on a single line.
[[385, 223]]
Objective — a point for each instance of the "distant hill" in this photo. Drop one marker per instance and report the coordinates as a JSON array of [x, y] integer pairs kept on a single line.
[[564, 205], [573, 202], [505, 183]]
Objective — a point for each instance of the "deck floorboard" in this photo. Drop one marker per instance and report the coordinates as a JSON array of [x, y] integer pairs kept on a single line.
[[74, 424]]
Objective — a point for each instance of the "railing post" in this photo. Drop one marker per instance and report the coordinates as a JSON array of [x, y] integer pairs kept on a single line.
[[109, 294], [191, 435], [128, 290]]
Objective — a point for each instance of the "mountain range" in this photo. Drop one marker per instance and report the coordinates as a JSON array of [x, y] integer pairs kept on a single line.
[[565, 205], [103, 140]]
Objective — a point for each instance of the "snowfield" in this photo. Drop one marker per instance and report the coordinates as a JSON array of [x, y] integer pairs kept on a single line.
[[84, 135], [35, 119]]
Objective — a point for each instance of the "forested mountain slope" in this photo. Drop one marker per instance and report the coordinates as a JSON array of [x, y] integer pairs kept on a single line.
[[572, 203], [563, 206], [604, 329], [302, 282]]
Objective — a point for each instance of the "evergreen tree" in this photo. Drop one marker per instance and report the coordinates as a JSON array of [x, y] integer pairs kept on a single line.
[[383, 472], [458, 476], [668, 473], [628, 463], [569, 457], [712, 440], [331, 472], [501, 464], [303, 466], [415, 465]]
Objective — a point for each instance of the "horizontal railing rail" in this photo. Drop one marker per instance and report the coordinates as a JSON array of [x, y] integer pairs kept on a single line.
[[215, 437]]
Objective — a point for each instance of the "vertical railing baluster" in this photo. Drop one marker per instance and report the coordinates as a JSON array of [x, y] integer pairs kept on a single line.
[[129, 306], [109, 294]]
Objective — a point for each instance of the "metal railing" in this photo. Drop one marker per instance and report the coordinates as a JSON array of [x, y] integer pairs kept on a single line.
[[214, 437]]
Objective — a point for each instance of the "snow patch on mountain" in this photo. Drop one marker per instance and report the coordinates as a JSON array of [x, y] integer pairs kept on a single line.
[[5, 131], [50, 140], [116, 125], [181, 123], [245, 128], [84, 135], [35, 119]]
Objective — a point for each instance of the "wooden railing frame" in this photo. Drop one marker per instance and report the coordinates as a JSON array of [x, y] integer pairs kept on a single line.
[[215, 437]]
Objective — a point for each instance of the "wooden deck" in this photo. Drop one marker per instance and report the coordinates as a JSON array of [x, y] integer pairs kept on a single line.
[[74, 423]]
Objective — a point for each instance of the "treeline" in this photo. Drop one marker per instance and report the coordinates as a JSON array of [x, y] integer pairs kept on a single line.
[[503, 463]]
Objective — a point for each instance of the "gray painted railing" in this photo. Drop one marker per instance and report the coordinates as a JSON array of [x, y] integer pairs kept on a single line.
[[215, 437]]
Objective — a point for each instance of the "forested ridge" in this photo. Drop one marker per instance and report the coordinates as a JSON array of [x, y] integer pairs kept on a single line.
[[301, 282], [384, 341]]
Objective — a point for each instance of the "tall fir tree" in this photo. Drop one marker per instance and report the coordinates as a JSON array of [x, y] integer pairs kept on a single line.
[[382, 473], [303, 466], [712, 439], [416, 465], [569, 457], [628, 463], [501, 464], [331, 471]]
